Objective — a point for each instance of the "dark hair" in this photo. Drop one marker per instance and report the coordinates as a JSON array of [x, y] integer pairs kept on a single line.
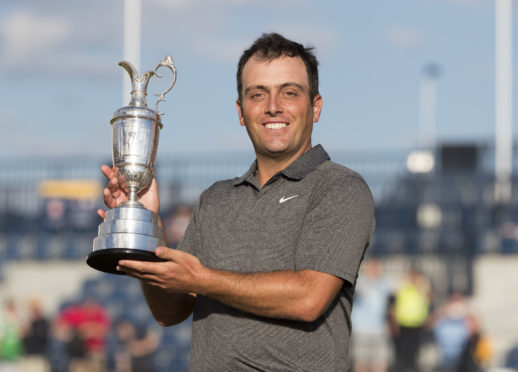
[[272, 46]]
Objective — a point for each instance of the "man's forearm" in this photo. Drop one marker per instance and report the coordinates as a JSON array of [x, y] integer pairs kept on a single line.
[[170, 286], [168, 308], [297, 295]]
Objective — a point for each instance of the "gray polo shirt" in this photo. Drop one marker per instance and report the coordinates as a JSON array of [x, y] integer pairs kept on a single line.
[[316, 215]]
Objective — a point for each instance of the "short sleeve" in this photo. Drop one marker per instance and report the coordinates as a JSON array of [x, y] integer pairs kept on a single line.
[[337, 229], [191, 240]]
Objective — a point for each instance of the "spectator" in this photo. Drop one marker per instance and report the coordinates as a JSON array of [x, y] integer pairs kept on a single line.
[[54, 218], [451, 328], [176, 223], [137, 347], [511, 358], [84, 328], [409, 314], [11, 347], [36, 338], [370, 340], [477, 351]]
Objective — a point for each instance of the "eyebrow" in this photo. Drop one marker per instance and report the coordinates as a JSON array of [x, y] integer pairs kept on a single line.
[[282, 86]]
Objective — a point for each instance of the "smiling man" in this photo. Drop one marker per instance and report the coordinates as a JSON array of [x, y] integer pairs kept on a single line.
[[278, 110], [269, 261]]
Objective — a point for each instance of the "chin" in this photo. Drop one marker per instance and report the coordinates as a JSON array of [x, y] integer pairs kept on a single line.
[[276, 149], [277, 154]]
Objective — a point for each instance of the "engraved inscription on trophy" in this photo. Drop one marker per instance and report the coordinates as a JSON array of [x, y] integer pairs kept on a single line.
[[130, 142], [130, 231]]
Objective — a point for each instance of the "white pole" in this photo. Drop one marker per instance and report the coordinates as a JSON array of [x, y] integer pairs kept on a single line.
[[428, 108], [503, 100], [132, 10]]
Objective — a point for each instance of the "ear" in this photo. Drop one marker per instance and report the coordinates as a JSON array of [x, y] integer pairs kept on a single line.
[[240, 113], [317, 107]]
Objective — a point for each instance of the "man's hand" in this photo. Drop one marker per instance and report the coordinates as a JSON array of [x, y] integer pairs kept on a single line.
[[114, 194], [178, 274], [167, 286]]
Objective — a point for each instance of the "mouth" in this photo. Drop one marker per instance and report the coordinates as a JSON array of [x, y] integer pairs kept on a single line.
[[276, 125]]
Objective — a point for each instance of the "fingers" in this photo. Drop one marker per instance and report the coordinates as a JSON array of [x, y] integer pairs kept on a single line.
[[101, 213], [112, 193], [150, 279], [113, 188], [148, 270], [109, 198], [136, 270], [143, 267], [108, 171], [111, 175], [131, 268]]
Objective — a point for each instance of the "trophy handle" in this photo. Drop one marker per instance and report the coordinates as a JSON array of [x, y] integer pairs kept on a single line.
[[167, 62]]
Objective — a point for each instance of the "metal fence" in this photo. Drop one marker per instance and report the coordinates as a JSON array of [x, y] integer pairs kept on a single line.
[[181, 177], [466, 218]]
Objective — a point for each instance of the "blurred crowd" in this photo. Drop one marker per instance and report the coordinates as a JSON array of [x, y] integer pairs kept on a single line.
[[397, 322], [394, 321], [81, 336]]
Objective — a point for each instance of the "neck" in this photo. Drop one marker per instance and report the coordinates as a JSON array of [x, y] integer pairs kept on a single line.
[[268, 166]]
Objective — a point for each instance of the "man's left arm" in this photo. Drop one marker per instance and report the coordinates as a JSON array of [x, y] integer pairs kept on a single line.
[[301, 295], [330, 252]]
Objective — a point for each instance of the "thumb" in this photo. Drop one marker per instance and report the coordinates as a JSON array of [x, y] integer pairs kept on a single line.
[[165, 253], [173, 255]]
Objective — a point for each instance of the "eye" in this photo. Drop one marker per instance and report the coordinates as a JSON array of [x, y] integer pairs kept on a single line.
[[256, 95], [291, 93]]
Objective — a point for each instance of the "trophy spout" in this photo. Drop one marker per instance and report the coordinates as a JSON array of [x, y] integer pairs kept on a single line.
[[138, 84]]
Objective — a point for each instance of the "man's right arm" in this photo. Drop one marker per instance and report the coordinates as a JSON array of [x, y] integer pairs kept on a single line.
[[167, 308]]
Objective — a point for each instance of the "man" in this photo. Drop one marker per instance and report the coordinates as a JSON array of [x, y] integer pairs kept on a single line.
[[269, 260]]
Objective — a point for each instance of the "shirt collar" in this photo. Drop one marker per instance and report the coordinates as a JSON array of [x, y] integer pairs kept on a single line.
[[297, 170]]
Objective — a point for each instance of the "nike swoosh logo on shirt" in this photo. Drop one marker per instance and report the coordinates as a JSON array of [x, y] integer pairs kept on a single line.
[[285, 199]]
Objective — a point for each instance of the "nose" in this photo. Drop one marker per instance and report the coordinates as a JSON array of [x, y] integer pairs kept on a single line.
[[273, 106]]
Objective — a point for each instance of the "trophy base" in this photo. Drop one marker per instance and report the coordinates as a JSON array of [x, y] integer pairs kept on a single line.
[[106, 259], [128, 232]]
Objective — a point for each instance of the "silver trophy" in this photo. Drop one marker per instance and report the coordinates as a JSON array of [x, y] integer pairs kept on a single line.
[[131, 231]]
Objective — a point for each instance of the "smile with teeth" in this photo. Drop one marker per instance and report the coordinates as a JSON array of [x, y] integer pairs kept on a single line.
[[276, 125]]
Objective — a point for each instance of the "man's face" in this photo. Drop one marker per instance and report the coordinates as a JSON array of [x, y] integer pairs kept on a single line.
[[276, 107]]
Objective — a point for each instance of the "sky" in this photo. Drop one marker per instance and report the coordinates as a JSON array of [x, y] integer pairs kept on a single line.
[[60, 81]]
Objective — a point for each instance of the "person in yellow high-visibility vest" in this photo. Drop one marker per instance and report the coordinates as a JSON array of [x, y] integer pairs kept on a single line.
[[410, 313]]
